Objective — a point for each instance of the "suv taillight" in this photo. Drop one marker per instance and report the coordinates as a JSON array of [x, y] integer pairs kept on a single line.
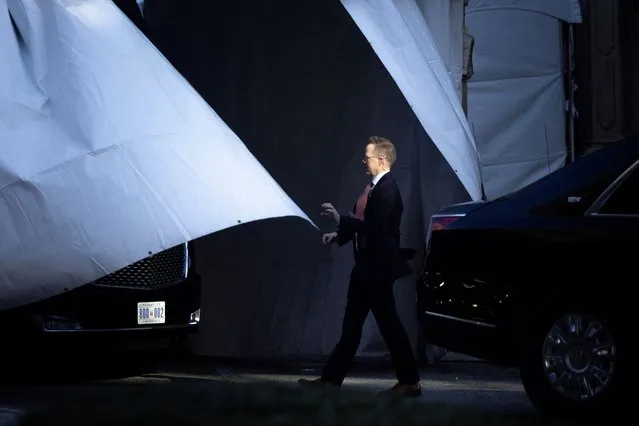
[[438, 223]]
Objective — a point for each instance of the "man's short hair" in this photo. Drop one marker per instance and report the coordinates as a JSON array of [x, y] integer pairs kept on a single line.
[[384, 148]]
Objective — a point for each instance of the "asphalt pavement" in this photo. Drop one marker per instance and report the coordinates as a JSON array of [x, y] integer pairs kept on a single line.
[[476, 383], [464, 384]]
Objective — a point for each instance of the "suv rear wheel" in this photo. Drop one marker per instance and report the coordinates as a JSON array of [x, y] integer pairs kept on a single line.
[[573, 364]]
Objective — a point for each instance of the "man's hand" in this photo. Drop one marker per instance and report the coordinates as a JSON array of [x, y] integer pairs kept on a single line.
[[329, 238], [330, 212]]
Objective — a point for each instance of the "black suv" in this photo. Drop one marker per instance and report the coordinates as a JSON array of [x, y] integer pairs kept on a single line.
[[543, 279]]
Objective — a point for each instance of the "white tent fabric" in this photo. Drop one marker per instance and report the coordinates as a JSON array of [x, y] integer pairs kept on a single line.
[[445, 20], [516, 97], [565, 10], [107, 153], [401, 38]]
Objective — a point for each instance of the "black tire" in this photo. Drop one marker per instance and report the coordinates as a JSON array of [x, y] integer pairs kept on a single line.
[[544, 397]]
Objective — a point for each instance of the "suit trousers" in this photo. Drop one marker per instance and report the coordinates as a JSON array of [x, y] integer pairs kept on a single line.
[[364, 295]]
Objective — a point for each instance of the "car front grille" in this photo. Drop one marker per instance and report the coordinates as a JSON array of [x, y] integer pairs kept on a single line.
[[162, 269]]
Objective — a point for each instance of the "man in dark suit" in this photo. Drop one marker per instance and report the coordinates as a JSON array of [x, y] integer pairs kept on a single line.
[[373, 227]]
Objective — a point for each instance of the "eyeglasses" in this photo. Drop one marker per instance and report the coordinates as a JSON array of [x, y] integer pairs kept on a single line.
[[366, 158]]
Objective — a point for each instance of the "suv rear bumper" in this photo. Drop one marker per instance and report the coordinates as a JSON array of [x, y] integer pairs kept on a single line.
[[446, 322]]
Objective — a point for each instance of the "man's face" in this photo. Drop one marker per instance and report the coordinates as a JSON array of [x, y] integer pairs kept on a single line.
[[374, 164]]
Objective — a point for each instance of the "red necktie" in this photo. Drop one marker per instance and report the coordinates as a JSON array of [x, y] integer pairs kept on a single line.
[[360, 206]]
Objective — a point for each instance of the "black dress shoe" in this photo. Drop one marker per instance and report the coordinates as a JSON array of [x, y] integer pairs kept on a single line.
[[411, 391]]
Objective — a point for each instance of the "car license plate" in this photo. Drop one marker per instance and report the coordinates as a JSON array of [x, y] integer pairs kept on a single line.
[[151, 312]]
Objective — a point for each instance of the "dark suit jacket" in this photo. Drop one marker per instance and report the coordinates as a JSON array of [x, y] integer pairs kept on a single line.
[[382, 259]]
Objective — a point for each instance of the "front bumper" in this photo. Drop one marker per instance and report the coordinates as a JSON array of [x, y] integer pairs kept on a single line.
[[114, 340], [100, 317]]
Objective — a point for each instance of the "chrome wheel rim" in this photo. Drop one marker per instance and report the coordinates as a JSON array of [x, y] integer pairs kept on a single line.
[[579, 356]]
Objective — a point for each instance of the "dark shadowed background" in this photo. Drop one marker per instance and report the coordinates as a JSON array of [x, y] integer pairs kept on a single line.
[[303, 89]]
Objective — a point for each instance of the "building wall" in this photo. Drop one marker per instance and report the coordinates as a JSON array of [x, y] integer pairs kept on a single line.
[[607, 62]]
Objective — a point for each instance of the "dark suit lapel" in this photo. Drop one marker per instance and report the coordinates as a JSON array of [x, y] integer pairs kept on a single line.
[[384, 180]]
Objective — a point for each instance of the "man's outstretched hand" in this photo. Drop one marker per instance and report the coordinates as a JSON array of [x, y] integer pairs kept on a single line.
[[330, 212], [329, 238]]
